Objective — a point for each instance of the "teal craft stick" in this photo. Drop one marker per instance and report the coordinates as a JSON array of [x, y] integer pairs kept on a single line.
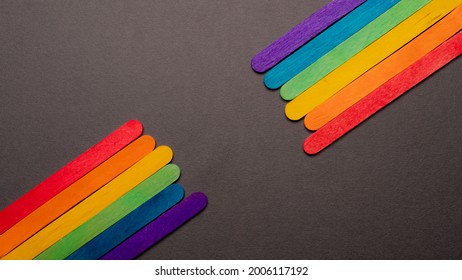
[[130, 224], [326, 41], [349, 48], [111, 214]]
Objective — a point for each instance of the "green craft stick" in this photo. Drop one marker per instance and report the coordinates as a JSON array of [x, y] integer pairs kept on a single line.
[[350, 47], [113, 213]]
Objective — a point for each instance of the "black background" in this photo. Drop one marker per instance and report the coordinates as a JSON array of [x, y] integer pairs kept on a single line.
[[73, 71]]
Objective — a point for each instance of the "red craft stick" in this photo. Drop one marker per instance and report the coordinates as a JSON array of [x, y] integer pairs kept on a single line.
[[384, 95], [70, 173]]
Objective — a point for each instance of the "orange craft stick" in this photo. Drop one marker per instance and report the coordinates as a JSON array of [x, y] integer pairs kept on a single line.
[[75, 193], [385, 71], [384, 95]]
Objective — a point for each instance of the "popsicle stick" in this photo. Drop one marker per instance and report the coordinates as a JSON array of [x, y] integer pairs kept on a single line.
[[302, 33], [369, 57], [75, 193], [129, 225], [385, 70], [384, 95], [92, 205], [69, 174], [326, 41], [159, 228], [350, 47], [112, 214]]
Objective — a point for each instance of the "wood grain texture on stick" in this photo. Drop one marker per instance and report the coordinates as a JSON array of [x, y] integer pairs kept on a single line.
[[112, 214], [387, 69], [384, 95], [92, 205], [130, 224], [159, 228], [326, 41], [369, 57], [350, 47], [302, 33], [69, 174], [75, 193]]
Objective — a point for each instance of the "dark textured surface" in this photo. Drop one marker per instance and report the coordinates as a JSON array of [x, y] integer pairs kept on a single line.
[[73, 71]]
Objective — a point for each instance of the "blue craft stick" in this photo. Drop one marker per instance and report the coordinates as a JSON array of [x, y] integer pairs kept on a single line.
[[130, 224], [326, 41], [159, 228]]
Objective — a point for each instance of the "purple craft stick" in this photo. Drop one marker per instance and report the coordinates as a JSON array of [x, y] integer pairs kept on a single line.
[[159, 228], [302, 33]]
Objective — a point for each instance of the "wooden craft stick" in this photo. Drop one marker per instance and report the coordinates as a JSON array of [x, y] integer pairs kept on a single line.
[[69, 174], [130, 224], [384, 95], [111, 214], [92, 205], [369, 57], [75, 193], [302, 33], [350, 47], [159, 228], [326, 41], [385, 70]]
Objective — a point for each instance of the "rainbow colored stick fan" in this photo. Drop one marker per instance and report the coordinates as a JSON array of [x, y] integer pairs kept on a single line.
[[338, 83], [97, 201]]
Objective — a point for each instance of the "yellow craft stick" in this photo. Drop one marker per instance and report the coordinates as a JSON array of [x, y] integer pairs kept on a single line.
[[385, 70], [369, 57], [92, 205]]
